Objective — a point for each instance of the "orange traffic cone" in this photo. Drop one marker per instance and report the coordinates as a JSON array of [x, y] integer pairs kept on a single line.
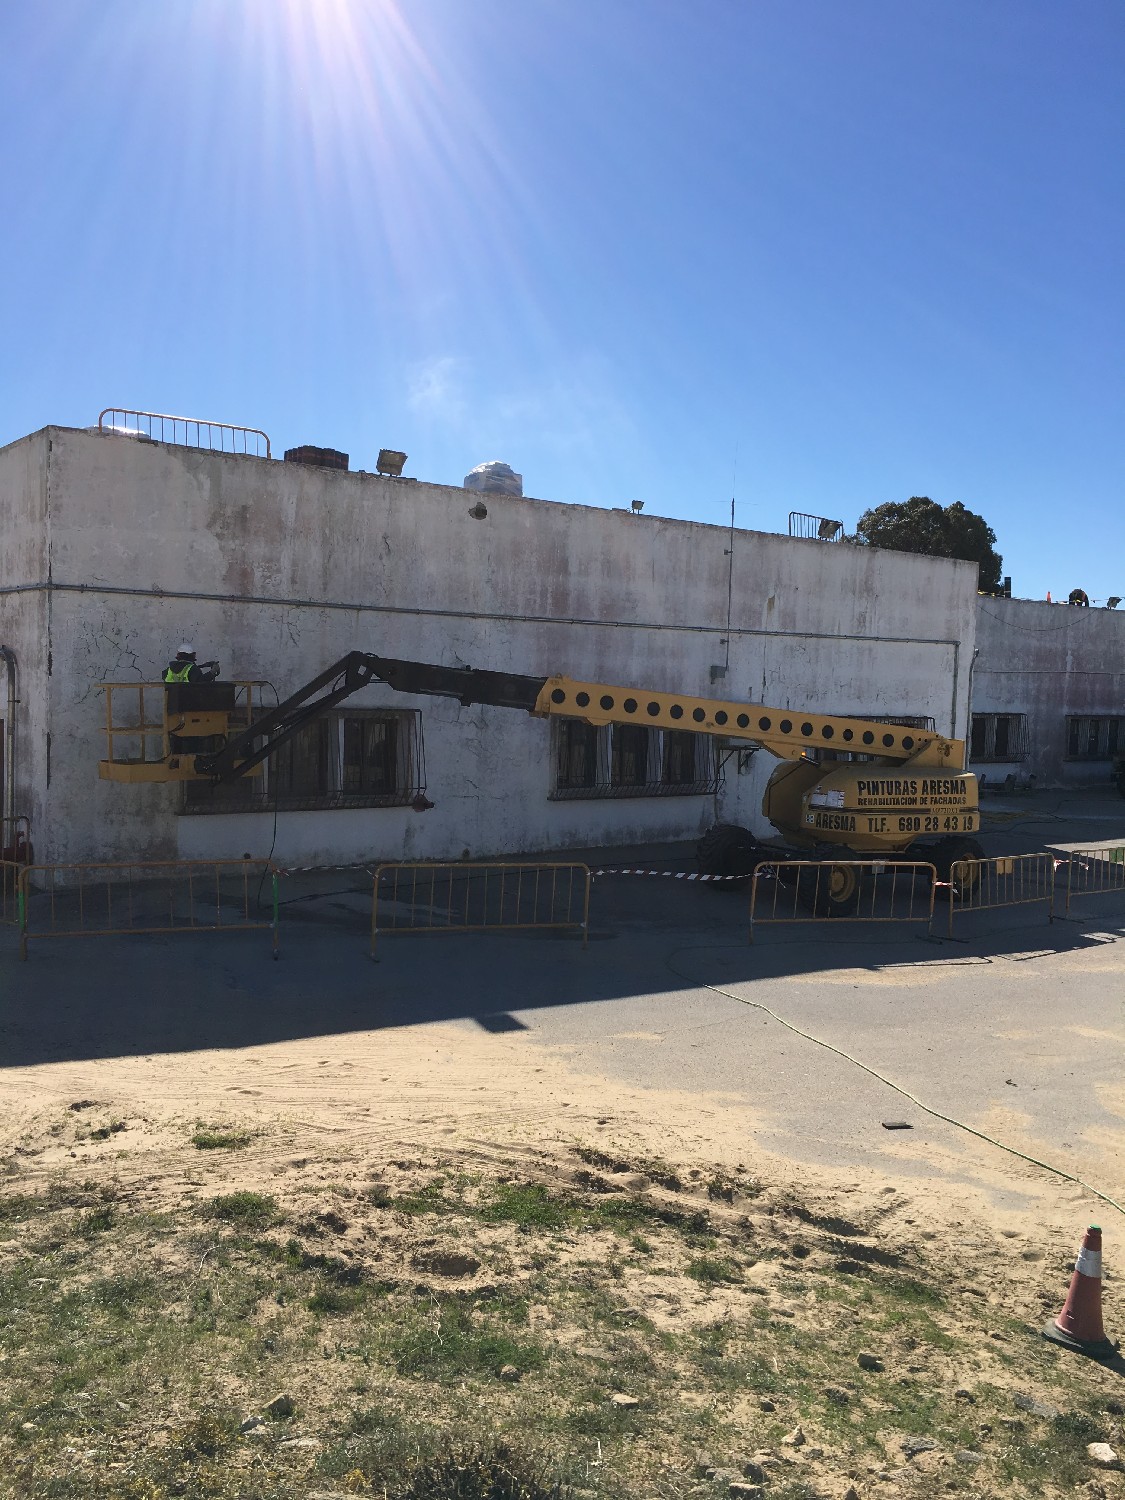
[[1079, 1325]]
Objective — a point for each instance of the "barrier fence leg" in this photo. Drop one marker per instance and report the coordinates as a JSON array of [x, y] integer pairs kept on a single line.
[[1064, 915], [21, 903], [276, 914], [375, 910]]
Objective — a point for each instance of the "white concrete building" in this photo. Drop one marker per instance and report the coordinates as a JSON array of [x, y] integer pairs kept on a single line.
[[1048, 692], [112, 551]]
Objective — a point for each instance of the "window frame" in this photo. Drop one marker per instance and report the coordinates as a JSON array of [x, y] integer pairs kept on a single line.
[[264, 794], [1103, 736], [1017, 738], [616, 773]]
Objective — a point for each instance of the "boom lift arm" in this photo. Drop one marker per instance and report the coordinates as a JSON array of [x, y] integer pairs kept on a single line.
[[786, 734], [908, 787], [267, 733]]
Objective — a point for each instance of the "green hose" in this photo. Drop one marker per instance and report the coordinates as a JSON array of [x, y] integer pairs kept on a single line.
[[890, 1083]]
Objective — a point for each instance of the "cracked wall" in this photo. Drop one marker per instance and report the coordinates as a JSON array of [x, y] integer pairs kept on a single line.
[[292, 566]]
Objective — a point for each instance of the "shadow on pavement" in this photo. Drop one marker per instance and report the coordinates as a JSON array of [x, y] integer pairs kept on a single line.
[[84, 998]]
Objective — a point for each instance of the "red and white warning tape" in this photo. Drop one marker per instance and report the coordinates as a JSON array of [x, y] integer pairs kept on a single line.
[[660, 874], [670, 874]]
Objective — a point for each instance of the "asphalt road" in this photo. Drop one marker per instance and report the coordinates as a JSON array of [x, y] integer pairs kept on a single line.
[[1018, 1030]]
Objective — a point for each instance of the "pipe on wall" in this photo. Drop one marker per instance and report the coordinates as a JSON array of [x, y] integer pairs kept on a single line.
[[10, 738]]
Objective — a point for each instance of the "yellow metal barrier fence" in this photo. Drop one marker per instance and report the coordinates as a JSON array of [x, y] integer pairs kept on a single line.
[[15, 852], [854, 890], [1008, 880], [9, 892], [103, 899], [15, 839], [1094, 872], [424, 897]]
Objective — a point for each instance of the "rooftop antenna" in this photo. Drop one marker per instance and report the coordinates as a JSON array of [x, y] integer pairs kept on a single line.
[[730, 559]]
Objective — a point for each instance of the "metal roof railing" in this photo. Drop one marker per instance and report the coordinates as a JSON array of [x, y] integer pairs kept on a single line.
[[188, 432], [814, 528]]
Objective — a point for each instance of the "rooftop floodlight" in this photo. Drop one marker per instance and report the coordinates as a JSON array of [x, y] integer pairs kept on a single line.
[[638, 506], [389, 462], [1113, 601], [827, 530]]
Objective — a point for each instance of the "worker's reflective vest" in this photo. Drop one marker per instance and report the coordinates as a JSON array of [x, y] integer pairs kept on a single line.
[[179, 674]]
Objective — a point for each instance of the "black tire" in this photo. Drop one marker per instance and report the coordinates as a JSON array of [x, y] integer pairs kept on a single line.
[[947, 853], [833, 889], [726, 849]]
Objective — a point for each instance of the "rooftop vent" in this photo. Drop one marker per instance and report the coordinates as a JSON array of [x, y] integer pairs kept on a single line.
[[494, 478], [324, 458]]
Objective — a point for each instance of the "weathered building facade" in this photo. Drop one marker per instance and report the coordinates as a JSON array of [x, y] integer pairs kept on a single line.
[[112, 551], [1048, 692]]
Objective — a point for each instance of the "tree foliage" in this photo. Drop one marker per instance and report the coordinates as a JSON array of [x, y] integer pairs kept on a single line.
[[922, 525]]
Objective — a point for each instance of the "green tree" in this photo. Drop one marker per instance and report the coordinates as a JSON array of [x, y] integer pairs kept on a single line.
[[922, 525]]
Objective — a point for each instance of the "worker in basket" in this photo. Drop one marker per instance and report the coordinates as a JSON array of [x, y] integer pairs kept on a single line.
[[184, 668]]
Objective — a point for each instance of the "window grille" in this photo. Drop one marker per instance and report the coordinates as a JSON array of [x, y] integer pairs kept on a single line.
[[577, 757], [630, 760], [350, 759], [999, 737], [1094, 738]]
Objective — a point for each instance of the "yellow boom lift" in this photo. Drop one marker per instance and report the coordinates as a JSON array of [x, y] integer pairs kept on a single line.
[[907, 790]]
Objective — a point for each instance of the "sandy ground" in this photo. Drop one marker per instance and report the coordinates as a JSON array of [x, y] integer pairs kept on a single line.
[[337, 1109], [329, 1115]]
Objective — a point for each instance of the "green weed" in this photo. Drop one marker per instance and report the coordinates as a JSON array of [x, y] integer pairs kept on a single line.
[[449, 1342], [248, 1210], [713, 1268], [529, 1205], [16, 1207], [335, 1299], [221, 1140], [209, 1434], [97, 1221]]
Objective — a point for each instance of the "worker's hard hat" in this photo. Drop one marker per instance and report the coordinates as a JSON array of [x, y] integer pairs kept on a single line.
[[187, 649]]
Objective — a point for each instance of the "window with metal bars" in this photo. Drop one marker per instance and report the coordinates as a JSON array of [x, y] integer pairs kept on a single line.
[[1100, 737], [576, 759], [371, 755], [999, 737], [631, 760], [349, 759]]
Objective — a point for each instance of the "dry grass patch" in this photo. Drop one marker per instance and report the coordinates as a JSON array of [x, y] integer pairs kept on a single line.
[[481, 1324]]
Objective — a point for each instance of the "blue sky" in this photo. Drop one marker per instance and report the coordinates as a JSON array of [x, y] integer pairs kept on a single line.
[[818, 254]]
